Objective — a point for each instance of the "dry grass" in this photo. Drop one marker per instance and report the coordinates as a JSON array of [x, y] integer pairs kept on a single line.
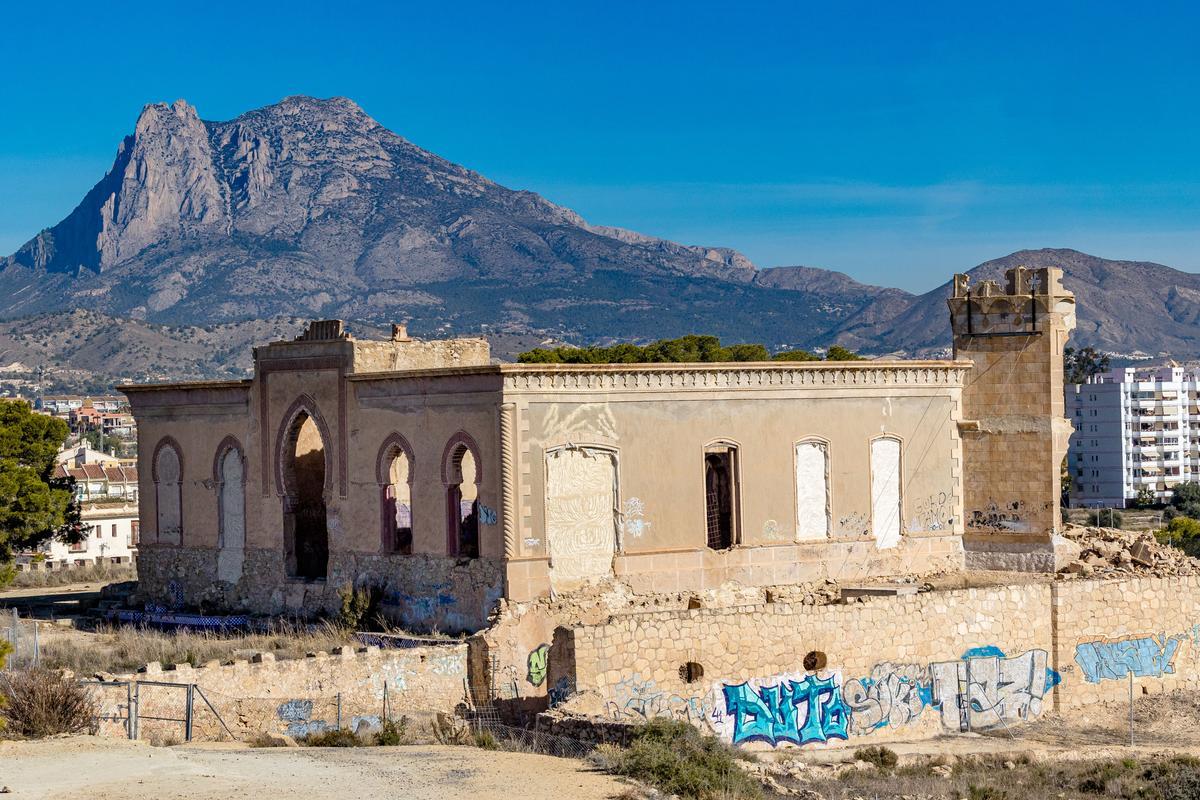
[[998, 778], [125, 649], [91, 573]]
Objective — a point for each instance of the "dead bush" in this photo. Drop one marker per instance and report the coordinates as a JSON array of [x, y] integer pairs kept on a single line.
[[42, 702]]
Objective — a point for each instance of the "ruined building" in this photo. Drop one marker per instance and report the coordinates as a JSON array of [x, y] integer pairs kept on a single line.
[[450, 482]]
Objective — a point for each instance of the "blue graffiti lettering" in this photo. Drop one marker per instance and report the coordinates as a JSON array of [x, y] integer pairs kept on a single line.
[[1145, 657], [773, 713]]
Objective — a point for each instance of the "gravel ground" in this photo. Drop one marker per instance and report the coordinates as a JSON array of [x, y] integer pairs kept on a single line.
[[90, 768]]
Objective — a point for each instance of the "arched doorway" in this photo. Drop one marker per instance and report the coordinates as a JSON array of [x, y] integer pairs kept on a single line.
[[462, 478], [395, 471], [305, 531]]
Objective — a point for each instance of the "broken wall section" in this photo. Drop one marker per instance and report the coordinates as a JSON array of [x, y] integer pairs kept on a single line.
[[300, 696]]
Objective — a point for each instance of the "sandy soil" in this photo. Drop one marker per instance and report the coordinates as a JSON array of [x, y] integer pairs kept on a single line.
[[88, 768]]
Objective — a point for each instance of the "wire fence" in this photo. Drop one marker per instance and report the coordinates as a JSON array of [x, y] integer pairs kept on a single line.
[[23, 640]]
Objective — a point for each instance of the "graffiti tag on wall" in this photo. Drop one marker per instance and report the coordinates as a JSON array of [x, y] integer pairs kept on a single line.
[[1148, 656], [538, 658], [892, 695], [640, 699], [983, 689], [799, 709]]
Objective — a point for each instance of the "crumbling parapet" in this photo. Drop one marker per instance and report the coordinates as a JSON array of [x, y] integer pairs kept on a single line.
[[1013, 430]]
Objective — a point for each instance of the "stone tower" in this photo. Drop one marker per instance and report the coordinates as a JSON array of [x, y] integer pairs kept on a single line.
[[1014, 434]]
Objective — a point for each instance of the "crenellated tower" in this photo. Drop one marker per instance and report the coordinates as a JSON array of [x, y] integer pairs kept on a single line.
[[1014, 434]]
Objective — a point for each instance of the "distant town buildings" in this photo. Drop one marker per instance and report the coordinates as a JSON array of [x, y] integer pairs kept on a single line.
[[1135, 429]]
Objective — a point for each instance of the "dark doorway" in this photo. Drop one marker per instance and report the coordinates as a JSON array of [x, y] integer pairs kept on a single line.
[[720, 495], [462, 505], [306, 535]]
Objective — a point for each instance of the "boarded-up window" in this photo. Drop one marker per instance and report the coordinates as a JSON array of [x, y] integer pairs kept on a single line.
[[231, 497], [581, 514], [812, 491], [167, 487], [885, 492]]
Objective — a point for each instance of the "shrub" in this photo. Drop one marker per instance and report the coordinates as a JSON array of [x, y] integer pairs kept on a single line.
[[392, 733], [485, 741], [1185, 498], [1176, 779], [333, 737], [985, 793], [1182, 532], [42, 702], [360, 607], [882, 757], [1106, 518], [676, 758]]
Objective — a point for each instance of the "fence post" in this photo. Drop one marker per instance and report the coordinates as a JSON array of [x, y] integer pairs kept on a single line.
[[129, 709], [968, 706], [339, 710], [1131, 708], [37, 647], [134, 709], [385, 701], [187, 714]]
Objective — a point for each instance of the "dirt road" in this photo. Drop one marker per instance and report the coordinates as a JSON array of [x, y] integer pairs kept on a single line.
[[89, 768]]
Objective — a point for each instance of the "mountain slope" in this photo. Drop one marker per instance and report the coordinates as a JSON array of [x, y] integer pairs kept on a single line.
[[1123, 307], [311, 207]]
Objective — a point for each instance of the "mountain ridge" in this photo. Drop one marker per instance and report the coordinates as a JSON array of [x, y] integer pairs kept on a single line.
[[310, 208]]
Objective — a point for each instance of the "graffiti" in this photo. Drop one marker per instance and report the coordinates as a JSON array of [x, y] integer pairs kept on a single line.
[[633, 525], [487, 515], [854, 525], [1145, 657], [986, 689], [446, 665], [537, 664], [799, 710], [933, 513], [1000, 517], [771, 532], [295, 710], [532, 542], [893, 695], [635, 698], [560, 691]]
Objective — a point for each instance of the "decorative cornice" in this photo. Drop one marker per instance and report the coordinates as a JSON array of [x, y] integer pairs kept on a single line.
[[723, 377]]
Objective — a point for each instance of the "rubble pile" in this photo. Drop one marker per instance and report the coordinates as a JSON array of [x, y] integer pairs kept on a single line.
[[1114, 553]]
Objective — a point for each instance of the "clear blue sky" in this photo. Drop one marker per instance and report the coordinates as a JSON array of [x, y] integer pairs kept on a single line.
[[894, 141]]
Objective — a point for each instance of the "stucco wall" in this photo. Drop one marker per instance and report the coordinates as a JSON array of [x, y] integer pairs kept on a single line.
[[658, 419]]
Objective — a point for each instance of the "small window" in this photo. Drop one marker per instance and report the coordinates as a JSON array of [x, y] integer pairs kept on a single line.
[[691, 672], [721, 494]]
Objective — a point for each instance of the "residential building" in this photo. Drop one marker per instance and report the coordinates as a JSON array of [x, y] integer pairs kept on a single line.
[[112, 533], [1135, 428]]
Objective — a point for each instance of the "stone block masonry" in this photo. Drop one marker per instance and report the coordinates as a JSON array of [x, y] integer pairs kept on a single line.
[[300, 696], [889, 667]]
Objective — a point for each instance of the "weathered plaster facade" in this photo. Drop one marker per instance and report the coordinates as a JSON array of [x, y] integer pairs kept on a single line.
[[451, 482]]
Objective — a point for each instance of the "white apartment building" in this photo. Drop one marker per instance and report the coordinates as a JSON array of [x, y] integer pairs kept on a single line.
[[1134, 428], [112, 536]]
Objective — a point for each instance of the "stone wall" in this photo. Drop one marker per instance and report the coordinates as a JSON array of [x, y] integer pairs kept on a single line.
[[1106, 631], [420, 592], [889, 668], [298, 696], [885, 668]]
